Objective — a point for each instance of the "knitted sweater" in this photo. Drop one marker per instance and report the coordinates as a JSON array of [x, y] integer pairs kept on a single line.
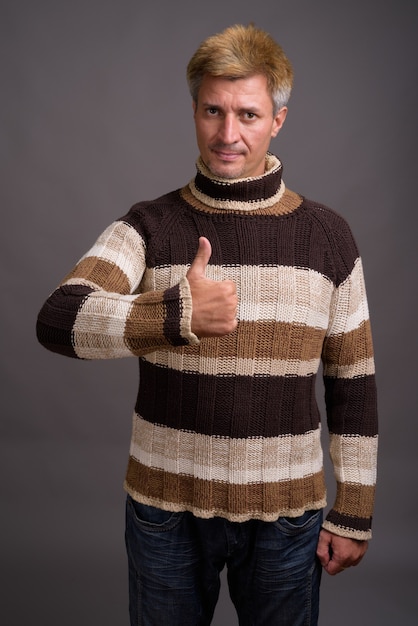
[[230, 426]]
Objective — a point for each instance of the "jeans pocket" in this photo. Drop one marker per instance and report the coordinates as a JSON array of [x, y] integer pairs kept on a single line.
[[302, 523], [152, 518]]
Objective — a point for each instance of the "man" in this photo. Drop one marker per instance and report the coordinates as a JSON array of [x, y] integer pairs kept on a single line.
[[231, 290]]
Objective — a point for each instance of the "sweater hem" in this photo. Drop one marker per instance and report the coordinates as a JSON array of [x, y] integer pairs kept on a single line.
[[178, 507]]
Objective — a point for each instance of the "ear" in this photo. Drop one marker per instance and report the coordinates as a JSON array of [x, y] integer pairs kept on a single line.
[[278, 121]]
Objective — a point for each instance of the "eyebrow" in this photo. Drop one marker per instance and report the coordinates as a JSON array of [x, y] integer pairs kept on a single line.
[[252, 108]]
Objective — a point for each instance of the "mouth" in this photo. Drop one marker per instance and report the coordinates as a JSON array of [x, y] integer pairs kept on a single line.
[[224, 155]]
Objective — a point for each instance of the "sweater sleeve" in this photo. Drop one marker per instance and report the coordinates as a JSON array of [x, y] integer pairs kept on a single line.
[[97, 311], [350, 394]]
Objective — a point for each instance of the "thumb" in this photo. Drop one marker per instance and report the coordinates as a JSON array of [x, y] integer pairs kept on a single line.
[[201, 260]]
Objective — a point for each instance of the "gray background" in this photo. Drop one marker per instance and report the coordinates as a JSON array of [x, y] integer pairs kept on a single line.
[[95, 116]]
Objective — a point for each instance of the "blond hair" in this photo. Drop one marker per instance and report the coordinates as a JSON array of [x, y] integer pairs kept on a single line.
[[239, 52]]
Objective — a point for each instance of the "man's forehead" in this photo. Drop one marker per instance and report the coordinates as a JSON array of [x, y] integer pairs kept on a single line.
[[218, 89]]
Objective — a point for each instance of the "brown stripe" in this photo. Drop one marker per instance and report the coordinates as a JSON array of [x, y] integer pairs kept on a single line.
[[227, 406], [216, 498], [106, 275], [351, 347], [302, 239], [287, 204], [354, 500], [56, 318], [261, 340], [347, 526], [353, 406], [145, 323]]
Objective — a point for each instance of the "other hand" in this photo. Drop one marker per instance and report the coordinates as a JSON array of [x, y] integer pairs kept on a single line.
[[337, 553]]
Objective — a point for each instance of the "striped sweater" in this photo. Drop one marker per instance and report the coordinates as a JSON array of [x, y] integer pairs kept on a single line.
[[230, 426]]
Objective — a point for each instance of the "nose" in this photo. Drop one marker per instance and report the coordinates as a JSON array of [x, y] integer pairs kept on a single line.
[[229, 129]]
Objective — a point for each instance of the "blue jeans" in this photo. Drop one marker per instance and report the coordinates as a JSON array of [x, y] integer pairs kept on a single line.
[[175, 560]]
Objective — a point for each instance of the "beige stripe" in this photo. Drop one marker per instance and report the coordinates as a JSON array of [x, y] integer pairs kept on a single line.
[[236, 205], [360, 535], [364, 367], [239, 503], [238, 461], [350, 306], [115, 326], [186, 312], [232, 366], [286, 294], [78, 280], [354, 458], [99, 327], [117, 238]]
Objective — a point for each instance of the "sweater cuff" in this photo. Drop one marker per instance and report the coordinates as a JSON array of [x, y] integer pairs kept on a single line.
[[346, 526], [178, 303]]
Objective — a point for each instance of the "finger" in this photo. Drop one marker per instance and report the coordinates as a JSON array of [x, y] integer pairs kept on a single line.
[[323, 549], [201, 260]]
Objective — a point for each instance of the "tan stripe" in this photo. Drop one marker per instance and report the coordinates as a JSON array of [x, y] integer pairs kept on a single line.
[[288, 202], [354, 459], [144, 327], [254, 340], [103, 274], [220, 459], [266, 348], [355, 500], [235, 502], [350, 348]]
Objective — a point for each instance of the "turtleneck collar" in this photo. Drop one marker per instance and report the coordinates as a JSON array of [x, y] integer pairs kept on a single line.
[[242, 194]]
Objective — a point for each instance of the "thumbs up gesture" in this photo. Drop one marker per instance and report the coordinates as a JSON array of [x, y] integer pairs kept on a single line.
[[214, 302]]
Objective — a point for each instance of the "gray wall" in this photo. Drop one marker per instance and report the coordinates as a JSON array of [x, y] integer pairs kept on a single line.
[[95, 115]]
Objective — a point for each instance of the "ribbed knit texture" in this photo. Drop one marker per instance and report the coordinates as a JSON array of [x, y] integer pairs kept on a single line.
[[230, 426]]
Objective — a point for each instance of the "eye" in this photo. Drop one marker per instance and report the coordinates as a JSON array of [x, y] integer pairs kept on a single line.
[[212, 111], [249, 115]]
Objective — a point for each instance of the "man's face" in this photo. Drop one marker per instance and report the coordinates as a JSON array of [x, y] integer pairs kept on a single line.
[[234, 125]]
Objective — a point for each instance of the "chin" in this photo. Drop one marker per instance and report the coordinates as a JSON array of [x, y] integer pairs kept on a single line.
[[223, 171]]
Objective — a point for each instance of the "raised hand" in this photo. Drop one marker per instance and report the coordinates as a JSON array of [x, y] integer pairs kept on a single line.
[[214, 302]]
